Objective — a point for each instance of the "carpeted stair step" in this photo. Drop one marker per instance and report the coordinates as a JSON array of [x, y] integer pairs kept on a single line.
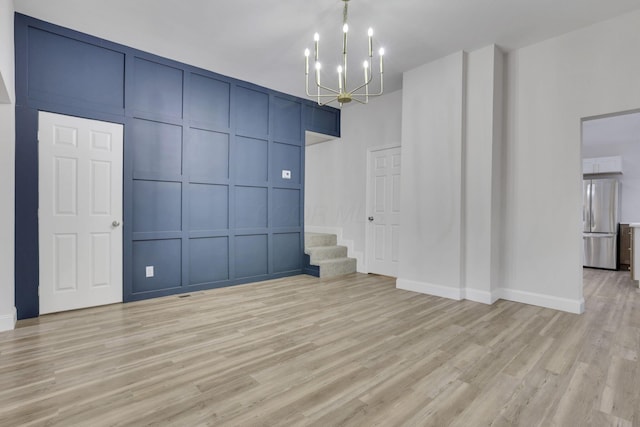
[[320, 253], [337, 267], [319, 239]]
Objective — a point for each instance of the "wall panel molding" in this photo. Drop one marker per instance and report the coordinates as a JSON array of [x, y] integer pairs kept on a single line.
[[204, 197]]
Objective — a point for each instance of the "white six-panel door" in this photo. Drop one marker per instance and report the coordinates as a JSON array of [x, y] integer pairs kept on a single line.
[[383, 208], [80, 212]]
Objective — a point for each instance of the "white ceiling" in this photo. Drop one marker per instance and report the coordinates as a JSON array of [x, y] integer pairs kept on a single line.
[[263, 41]]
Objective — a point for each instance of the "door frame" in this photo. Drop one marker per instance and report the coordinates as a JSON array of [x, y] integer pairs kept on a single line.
[[368, 197]]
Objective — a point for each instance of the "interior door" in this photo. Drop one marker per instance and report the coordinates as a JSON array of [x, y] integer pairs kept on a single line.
[[80, 212], [384, 211]]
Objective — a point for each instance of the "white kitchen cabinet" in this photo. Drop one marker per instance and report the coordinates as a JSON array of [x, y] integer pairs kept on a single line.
[[594, 165]]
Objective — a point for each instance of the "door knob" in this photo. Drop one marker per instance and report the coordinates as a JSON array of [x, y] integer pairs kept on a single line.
[[370, 219], [115, 224]]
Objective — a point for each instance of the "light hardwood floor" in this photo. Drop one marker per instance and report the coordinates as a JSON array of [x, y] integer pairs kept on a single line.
[[347, 351]]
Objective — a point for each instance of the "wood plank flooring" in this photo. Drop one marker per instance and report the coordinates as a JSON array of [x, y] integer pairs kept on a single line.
[[351, 351]]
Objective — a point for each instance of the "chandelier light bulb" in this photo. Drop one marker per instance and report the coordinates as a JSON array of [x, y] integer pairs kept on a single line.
[[370, 32], [318, 66], [345, 28], [307, 53], [316, 37], [339, 68], [381, 51], [365, 64]]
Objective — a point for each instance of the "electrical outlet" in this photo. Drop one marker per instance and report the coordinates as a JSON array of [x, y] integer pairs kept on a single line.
[[286, 174], [149, 271]]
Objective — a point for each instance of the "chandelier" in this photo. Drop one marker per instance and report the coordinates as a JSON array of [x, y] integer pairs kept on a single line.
[[325, 95]]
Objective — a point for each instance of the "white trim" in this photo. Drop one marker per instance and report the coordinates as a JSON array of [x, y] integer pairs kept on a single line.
[[547, 301], [431, 289], [351, 252], [367, 192], [8, 321], [481, 296]]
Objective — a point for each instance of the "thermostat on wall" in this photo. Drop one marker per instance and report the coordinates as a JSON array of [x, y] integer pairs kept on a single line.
[[286, 174]]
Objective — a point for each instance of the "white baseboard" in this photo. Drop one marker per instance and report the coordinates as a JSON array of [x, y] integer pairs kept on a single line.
[[485, 297], [430, 289], [481, 296], [8, 321], [541, 300], [351, 252]]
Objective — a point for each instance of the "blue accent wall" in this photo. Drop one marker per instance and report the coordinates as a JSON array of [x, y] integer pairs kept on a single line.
[[203, 194]]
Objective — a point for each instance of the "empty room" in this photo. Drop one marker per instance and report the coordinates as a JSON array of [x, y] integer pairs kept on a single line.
[[327, 213]]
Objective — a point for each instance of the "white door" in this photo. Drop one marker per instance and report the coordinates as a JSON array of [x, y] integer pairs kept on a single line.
[[383, 200], [80, 212]]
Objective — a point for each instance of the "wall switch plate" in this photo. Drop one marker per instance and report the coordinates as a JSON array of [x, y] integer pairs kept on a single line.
[[286, 174], [149, 271]]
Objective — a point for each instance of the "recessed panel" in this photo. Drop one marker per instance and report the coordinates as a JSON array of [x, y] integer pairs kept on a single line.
[[208, 155], [208, 260], [379, 241], [381, 162], [208, 207], [157, 147], [252, 111], [395, 243], [100, 140], [157, 206], [71, 70], [286, 157], [209, 100], [286, 208], [100, 259], [100, 188], [65, 261], [157, 88], [251, 256], [379, 194], [63, 135], [251, 159], [165, 256], [251, 207], [395, 202], [287, 252], [395, 161], [65, 186], [287, 119]]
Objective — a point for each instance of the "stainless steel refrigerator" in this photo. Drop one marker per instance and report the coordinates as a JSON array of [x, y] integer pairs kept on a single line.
[[600, 217]]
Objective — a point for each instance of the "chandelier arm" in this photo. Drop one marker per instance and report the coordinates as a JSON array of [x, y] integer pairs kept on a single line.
[[358, 100], [328, 102], [363, 85], [325, 88]]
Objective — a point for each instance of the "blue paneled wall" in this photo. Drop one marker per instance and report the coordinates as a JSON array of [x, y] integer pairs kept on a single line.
[[204, 198]]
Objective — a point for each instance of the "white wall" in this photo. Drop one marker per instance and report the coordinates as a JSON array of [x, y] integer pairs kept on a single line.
[[432, 223], [336, 171], [551, 86], [7, 156], [630, 178]]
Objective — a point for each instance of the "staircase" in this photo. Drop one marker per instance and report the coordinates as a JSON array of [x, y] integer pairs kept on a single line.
[[324, 258]]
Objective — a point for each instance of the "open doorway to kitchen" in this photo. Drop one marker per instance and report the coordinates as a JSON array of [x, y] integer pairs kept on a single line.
[[610, 189]]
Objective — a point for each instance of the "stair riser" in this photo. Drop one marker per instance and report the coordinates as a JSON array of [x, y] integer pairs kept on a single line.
[[337, 269], [332, 252]]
